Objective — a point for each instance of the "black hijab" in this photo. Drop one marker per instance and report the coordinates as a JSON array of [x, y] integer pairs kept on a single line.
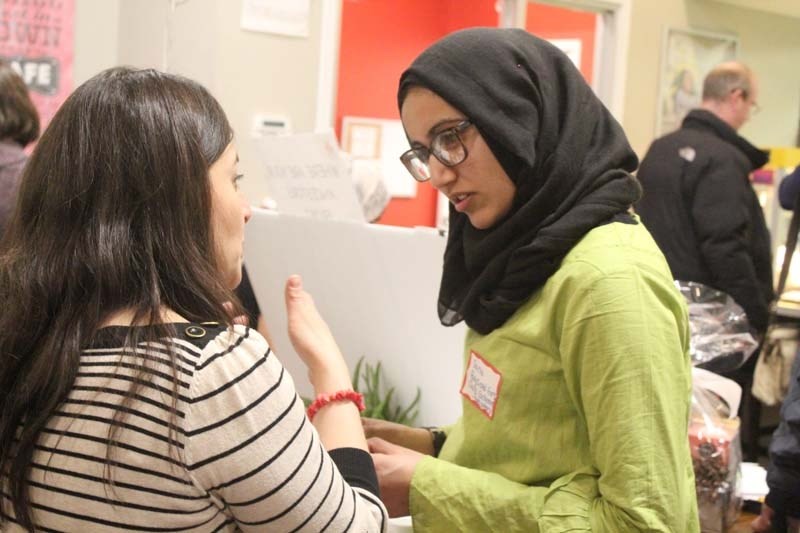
[[566, 154]]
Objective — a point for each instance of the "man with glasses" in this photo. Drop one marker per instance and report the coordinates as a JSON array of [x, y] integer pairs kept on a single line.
[[702, 211]]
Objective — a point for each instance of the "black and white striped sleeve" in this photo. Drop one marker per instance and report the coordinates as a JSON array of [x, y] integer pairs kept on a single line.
[[249, 444]]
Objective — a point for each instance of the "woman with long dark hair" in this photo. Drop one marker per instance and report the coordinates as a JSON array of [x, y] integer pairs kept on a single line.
[[130, 400]]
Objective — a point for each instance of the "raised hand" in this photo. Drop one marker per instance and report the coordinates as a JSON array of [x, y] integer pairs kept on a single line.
[[313, 341]]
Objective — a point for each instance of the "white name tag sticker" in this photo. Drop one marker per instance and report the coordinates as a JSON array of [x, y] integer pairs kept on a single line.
[[481, 384]]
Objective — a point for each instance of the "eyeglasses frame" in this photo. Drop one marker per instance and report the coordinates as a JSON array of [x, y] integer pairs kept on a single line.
[[754, 107], [457, 129]]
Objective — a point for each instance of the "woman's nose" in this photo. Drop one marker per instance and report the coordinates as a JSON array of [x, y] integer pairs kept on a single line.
[[441, 175]]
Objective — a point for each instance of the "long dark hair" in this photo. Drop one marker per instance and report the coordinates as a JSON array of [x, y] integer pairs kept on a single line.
[[113, 213], [19, 120]]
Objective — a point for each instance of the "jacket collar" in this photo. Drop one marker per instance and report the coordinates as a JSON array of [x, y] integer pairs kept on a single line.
[[706, 120]]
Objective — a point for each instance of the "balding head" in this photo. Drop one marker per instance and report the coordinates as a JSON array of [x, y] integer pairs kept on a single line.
[[730, 91], [725, 78]]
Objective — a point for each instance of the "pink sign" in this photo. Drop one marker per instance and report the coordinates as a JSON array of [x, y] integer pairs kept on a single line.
[[36, 37]]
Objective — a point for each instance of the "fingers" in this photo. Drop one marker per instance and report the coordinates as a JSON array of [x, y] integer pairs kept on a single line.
[[378, 445], [313, 341], [298, 300], [294, 287], [406, 437], [760, 525], [302, 313], [373, 427], [378, 424], [763, 523]]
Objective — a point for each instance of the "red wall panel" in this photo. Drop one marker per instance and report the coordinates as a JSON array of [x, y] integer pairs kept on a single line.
[[550, 22], [380, 38], [459, 14]]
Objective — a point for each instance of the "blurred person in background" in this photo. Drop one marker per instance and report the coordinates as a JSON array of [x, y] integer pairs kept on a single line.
[[781, 509], [19, 126]]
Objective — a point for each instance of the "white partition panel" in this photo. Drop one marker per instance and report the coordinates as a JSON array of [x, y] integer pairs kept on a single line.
[[377, 288]]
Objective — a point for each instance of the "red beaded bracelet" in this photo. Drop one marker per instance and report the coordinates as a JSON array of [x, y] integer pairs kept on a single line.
[[324, 399]]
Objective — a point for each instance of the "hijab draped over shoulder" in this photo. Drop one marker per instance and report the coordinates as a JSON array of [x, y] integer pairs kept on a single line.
[[566, 154]]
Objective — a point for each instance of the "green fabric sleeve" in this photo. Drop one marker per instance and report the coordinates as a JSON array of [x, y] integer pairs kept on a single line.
[[621, 348], [445, 497]]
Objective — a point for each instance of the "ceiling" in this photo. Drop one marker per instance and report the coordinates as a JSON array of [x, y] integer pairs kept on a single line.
[[789, 8]]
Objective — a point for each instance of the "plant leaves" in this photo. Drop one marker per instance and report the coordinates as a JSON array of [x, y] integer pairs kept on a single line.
[[367, 381]]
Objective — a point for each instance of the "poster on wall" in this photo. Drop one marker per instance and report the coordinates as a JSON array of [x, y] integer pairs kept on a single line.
[[36, 38], [375, 144], [687, 56]]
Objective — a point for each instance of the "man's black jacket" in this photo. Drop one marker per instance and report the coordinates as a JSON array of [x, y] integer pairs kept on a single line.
[[704, 214]]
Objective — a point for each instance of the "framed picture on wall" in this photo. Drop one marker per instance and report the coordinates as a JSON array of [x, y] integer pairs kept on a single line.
[[375, 145], [686, 57], [362, 140]]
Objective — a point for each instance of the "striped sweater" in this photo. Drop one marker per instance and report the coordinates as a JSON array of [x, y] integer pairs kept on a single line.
[[244, 456]]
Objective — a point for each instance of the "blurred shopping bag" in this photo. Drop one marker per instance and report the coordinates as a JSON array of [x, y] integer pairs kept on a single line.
[[716, 449], [720, 338], [774, 365]]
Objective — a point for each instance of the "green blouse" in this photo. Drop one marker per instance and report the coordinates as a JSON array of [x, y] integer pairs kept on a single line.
[[582, 402]]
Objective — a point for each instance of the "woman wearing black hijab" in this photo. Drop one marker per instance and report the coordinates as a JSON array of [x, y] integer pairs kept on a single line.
[[577, 374]]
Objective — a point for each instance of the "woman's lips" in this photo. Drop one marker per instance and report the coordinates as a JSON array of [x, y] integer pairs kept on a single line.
[[461, 201]]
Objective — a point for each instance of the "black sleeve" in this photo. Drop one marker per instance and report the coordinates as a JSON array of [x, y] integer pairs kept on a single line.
[[789, 189], [357, 468], [783, 472], [248, 298], [721, 220]]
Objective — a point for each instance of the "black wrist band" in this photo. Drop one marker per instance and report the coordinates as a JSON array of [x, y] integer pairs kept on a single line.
[[437, 437]]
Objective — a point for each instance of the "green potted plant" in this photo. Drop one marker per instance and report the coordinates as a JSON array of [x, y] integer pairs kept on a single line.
[[380, 405]]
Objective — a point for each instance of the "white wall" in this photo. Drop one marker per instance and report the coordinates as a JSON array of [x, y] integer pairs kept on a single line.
[[248, 72], [96, 37], [768, 43]]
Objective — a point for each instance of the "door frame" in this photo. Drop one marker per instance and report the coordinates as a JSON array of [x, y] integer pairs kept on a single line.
[[611, 44]]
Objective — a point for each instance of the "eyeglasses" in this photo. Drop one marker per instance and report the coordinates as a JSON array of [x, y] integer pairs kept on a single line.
[[754, 107], [447, 147]]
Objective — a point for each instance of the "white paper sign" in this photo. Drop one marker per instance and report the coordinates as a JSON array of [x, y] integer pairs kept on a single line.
[[284, 17], [307, 175]]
